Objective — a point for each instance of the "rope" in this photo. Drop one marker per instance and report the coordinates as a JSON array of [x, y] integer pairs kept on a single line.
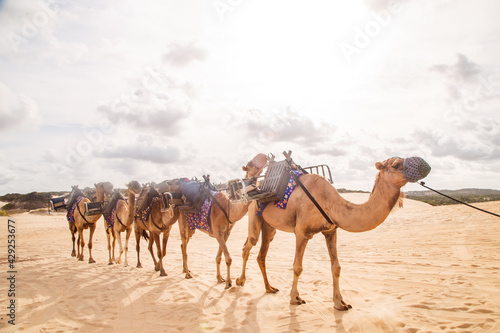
[[462, 202]]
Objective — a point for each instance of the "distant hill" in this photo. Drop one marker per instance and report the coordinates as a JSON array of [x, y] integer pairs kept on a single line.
[[468, 195]]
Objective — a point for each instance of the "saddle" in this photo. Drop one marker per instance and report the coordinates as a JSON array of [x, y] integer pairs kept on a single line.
[[148, 193], [74, 196], [196, 192], [112, 202]]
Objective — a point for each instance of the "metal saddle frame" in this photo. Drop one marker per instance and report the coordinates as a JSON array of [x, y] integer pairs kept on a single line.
[[274, 182]]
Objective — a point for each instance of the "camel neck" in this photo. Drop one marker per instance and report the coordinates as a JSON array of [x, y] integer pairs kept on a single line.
[[366, 216], [99, 196], [237, 211]]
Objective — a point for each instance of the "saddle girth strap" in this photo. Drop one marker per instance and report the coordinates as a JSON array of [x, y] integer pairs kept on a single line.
[[221, 208], [312, 199], [82, 215]]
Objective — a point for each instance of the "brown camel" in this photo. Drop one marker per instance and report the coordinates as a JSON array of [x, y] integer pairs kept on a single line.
[[85, 221], [158, 223], [220, 226], [123, 217], [75, 193], [302, 218]]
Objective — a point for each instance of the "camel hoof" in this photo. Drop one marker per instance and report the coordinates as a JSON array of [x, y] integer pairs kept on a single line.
[[188, 276], [228, 285], [272, 290], [343, 306], [139, 266], [220, 279], [91, 261], [73, 254], [297, 301], [125, 264], [163, 273], [80, 259], [110, 263], [240, 282]]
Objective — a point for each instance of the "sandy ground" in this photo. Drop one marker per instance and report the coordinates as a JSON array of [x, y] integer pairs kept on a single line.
[[426, 269]]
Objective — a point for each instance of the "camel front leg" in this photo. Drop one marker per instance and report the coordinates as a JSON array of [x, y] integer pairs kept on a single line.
[[73, 231], [81, 244], [127, 237], [227, 257], [218, 260], [254, 227], [331, 244], [159, 265], [91, 234], [268, 233], [137, 233], [108, 236], [186, 234], [150, 249], [300, 247], [117, 236]]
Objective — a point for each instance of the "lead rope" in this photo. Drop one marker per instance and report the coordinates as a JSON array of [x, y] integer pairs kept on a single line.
[[462, 202]]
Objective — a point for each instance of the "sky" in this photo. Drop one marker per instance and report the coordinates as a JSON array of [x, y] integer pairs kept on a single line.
[[124, 90]]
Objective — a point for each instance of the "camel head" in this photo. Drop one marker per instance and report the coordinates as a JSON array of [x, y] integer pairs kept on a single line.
[[104, 188], [255, 166], [399, 170], [134, 187]]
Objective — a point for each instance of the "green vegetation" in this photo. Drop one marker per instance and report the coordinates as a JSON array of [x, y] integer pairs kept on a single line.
[[3, 213], [439, 200], [7, 206]]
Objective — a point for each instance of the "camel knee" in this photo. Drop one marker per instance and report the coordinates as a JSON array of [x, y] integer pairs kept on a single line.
[[252, 240], [336, 270], [229, 261], [297, 270]]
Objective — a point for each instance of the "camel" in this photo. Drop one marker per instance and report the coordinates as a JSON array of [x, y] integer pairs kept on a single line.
[[73, 196], [302, 218], [84, 221], [158, 223], [123, 217], [220, 226]]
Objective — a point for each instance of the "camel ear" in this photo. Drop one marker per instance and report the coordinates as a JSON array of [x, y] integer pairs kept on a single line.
[[379, 166], [244, 168]]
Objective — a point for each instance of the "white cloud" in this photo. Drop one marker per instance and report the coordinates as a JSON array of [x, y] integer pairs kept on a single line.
[[16, 109]]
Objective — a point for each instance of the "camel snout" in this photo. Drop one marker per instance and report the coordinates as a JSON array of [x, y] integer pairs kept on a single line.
[[415, 168]]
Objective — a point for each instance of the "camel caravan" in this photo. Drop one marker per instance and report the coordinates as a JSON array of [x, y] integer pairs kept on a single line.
[[286, 197]]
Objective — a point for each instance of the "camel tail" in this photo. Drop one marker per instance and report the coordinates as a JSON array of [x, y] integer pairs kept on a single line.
[[145, 235]]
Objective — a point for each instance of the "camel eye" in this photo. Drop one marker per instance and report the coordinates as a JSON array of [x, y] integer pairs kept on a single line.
[[398, 165]]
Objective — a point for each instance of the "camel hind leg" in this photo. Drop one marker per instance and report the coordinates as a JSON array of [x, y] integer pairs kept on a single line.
[[268, 233], [138, 233], [331, 243], [254, 228]]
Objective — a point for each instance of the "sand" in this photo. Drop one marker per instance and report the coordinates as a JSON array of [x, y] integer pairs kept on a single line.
[[425, 269]]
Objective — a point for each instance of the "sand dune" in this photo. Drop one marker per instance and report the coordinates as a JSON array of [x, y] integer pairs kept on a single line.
[[426, 269]]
